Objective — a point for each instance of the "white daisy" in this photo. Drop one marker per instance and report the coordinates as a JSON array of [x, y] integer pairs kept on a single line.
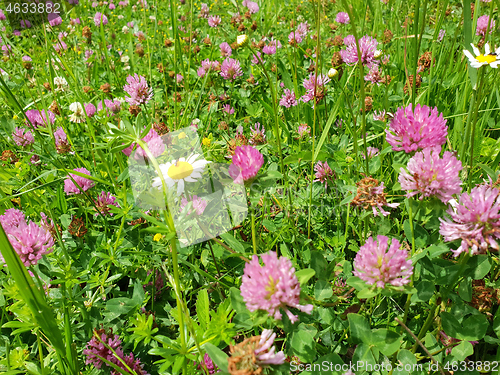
[[181, 171], [489, 58]]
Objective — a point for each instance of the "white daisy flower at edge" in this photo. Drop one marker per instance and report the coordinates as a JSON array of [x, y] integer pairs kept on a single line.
[[181, 171], [489, 58]]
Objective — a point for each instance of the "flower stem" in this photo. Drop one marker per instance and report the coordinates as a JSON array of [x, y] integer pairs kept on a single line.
[[254, 235], [476, 112], [173, 242], [361, 83], [444, 297]]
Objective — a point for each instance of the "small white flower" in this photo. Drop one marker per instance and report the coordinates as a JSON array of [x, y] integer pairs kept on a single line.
[[125, 29], [120, 17], [377, 54], [332, 72], [489, 58], [76, 106], [241, 40], [125, 59], [78, 112], [60, 83]]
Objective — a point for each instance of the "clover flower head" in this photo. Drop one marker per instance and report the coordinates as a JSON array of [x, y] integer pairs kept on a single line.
[[84, 183], [378, 264], [475, 220], [246, 163], [272, 287], [138, 90], [415, 130], [22, 137], [431, 175]]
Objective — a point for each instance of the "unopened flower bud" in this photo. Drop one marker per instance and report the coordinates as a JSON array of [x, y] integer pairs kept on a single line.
[[332, 72], [242, 40]]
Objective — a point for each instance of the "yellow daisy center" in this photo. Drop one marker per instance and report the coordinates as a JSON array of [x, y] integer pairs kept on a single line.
[[180, 170], [182, 135], [487, 59]]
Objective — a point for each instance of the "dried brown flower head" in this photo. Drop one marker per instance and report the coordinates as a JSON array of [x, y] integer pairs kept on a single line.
[[9, 156], [139, 50], [409, 84], [483, 297], [106, 88], [134, 110], [239, 140], [425, 61], [77, 227], [338, 41], [368, 195], [387, 38], [368, 103], [87, 33], [337, 60], [243, 360], [55, 108], [161, 128]]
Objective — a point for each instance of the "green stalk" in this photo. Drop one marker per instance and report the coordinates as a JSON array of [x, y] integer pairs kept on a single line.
[[444, 297], [275, 109], [313, 125], [408, 299], [40, 353], [352, 16], [474, 123], [173, 242], [415, 52], [254, 235]]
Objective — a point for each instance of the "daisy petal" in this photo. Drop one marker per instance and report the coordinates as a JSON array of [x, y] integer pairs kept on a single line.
[[180, 187], [469, 55], [476, 51]]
